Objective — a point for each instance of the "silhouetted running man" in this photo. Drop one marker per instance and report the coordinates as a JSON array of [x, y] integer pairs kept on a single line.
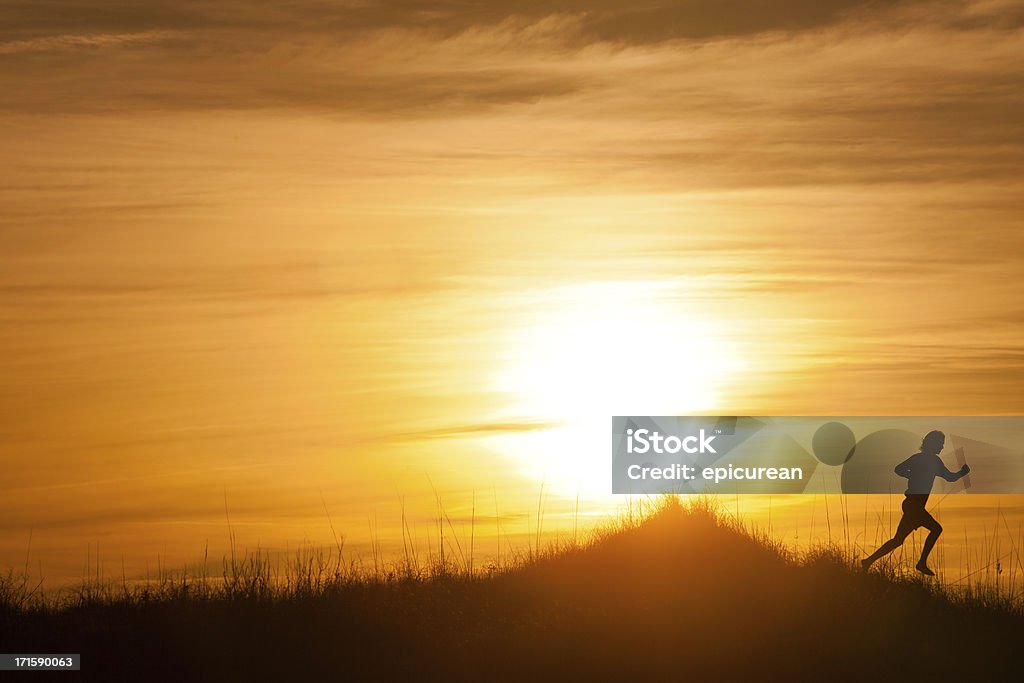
[[920, 471]]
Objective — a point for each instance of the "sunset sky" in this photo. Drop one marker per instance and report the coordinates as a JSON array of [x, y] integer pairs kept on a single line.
[[335, 253]]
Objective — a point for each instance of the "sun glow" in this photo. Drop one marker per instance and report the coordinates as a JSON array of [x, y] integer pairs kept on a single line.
[[605, 349]]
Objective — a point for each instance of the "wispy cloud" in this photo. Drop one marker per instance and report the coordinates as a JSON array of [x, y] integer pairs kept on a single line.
[[83, 41]]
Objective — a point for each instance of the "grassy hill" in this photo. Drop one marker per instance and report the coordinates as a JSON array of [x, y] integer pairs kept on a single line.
[[684, 594]]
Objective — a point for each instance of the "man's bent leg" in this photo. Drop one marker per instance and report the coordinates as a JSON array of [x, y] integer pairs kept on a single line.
[[934, 530]]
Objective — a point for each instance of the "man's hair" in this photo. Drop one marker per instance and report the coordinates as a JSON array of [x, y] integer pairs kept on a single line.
[[933, 441]]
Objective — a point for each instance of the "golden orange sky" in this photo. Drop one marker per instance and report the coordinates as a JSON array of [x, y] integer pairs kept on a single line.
[[273, 252]]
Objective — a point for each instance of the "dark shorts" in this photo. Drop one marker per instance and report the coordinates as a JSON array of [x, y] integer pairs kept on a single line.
[[915, 517]]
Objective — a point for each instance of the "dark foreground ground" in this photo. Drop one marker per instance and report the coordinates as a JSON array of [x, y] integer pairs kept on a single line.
[[683, 596]]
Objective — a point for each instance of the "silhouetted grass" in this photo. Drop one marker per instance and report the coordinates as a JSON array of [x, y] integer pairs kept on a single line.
[[669, 590]]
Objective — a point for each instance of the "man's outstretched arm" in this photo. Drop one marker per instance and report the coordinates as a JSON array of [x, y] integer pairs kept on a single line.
[[952, 476]]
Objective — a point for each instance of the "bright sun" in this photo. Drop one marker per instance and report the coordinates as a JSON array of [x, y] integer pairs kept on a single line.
[[603, 349]]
